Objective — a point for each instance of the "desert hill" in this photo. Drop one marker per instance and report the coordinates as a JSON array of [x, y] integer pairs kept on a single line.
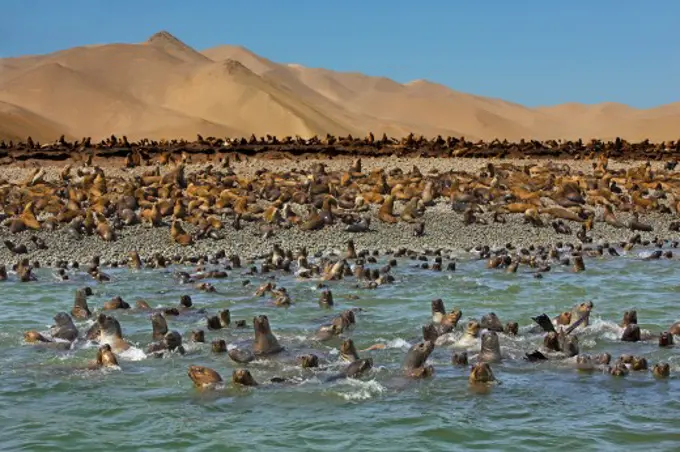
[[163, 88]]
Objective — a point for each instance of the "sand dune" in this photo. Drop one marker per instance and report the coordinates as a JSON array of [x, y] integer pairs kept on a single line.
[[163, 88]]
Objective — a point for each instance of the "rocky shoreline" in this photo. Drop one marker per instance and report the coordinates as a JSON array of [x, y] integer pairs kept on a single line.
[[444, 227]]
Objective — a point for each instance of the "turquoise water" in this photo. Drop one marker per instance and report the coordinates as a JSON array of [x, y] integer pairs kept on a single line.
[[47, 402]]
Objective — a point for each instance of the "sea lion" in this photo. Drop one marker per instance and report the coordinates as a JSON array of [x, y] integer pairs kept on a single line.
[[639, 363], [115, 303], [265, 341], [218, 346], [34, 336], [414, 363], [338, 325], [629, 318], [619, 370], [348, 351], [159, 326], [64, 328], [481, 373], [105, 357], [204, 376], [308, 361], [326, 299], [665, 339], [219, 321], [459, 359], [438, 310], [631, 333], [511, 328], [472, 329], [584, 362], [675, 328], [107, 331], [563, 319], [490, 350], [80, 308], [491, 322], [197, 336], [243, 377], [661, 370], [171, 341], [353, 370]]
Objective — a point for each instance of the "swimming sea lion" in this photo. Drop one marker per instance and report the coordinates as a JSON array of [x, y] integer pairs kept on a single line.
[[629, 318], [631, 333], [308, 361], [115, 303], [337, 326], [219, 321], [197, 336], [218, 346], [64, 328], [665, 339], [459, 359], [107, 331], [661, 370], [438, 310], [639, 363], [491, 349], [265, 341], [472, 329], [353, 370], [491, 322], [414, 363], [619, 370], [80, 308], [348, 351], [326, 299], [481, 373], [171, 341], [204, 376], [511, 328], [243, 377], [675, 328], [105, 358], [159, 325]]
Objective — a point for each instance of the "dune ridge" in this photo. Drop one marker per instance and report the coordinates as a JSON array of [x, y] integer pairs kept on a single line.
[[163, 88]]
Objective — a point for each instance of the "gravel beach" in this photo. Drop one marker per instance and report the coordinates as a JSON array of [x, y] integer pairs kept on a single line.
[[444, 228]]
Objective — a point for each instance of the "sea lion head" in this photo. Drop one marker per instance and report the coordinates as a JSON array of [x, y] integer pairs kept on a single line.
[[185, 301], [665, 339], [243, 377], [511, 328], [105, 356], [481, 373], [173, 341], [584, 362], [358, 367], [491, 322], [203, 376], [639, 363], [603, 359], [418, 354], [661, 370], [625, 359], [491, 346], [80, 308], [326, 298], [261, 325], [551, 342], [109, 326], [265, 341], [472, 328], [64, 328], [308, 361], [629, 318], [224, 317], [430, 332], [142, 305], [438, 310], [33, 337], [564, 318], [619, 370], [452, 318], [197, 336], [348, 351], [219, 346], [116, 303], [159, 325], [631, 333], [459, 359]]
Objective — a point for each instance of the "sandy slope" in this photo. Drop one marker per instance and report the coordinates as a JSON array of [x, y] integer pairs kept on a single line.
[[163, 88]]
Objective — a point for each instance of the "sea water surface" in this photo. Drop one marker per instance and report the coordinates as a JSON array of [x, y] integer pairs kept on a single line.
[[47, 402]]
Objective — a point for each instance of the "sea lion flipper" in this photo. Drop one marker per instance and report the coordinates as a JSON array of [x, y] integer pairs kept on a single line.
[[544, 322], [582, 319]]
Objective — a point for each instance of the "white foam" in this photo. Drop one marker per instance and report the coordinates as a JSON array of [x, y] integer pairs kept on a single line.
[[132, 354], [362, 390]]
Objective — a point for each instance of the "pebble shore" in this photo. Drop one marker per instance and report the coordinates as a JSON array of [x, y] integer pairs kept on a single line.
[[444, 228]]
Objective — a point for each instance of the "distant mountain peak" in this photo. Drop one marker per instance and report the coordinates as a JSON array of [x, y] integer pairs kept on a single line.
[[169, 43]]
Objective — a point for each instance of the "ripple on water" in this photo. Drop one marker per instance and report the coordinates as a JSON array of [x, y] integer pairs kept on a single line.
[[150, 403]]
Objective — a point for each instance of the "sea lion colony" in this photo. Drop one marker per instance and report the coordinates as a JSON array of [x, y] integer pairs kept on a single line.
[[198, 206], [410, 145], [559, 334]]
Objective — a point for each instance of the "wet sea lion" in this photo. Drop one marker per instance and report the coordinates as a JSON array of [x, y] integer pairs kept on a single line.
[[414, 363], [338, 325], [243, 377], [159, 325], [490, 350], [459, 359], [348, 351], [481, 373], [675, 328], [218, 346], [665, 339], [618, 370], [197, 336], [629, 318], [204, 376], [265, 341], [80, 308], [491, 322], [171, 341], [661, 370], [438, 310], [308, 361], [353, 370], [631, 333], [115, 303], [472, 329], [511, 328], [219, 321], [64, 328], [639, 363], [107, 330], [105, 358], [326, 299]]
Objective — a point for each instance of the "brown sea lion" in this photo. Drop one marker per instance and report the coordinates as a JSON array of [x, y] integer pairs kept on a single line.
[[64, 328], [481, 373], [414, 363], [665, 339], [115, 303], [204, 376], [159, 326], [80, 308], [348, 351], [219, 321], [472, 329], [619, 370], [197, 336], [629, 318], [338, 325], [218, 346], [661, 370], [265, 341], [511, 328], [353, 370], [459, 359], [438, 310], [631, 333], [490, 350], [105, 357], [308, 361], [172, 341], [107, 330], [243, 377], [639, 363], [326, 299], [491, 322], [675, 328]]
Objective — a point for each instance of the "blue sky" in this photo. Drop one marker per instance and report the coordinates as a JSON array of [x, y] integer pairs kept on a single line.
[[531, 52]]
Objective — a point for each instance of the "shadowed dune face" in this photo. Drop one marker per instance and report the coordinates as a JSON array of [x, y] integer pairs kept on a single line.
[[163, 88]]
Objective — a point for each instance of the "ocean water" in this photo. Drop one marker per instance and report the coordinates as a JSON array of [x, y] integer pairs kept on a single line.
[[48, 402]]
